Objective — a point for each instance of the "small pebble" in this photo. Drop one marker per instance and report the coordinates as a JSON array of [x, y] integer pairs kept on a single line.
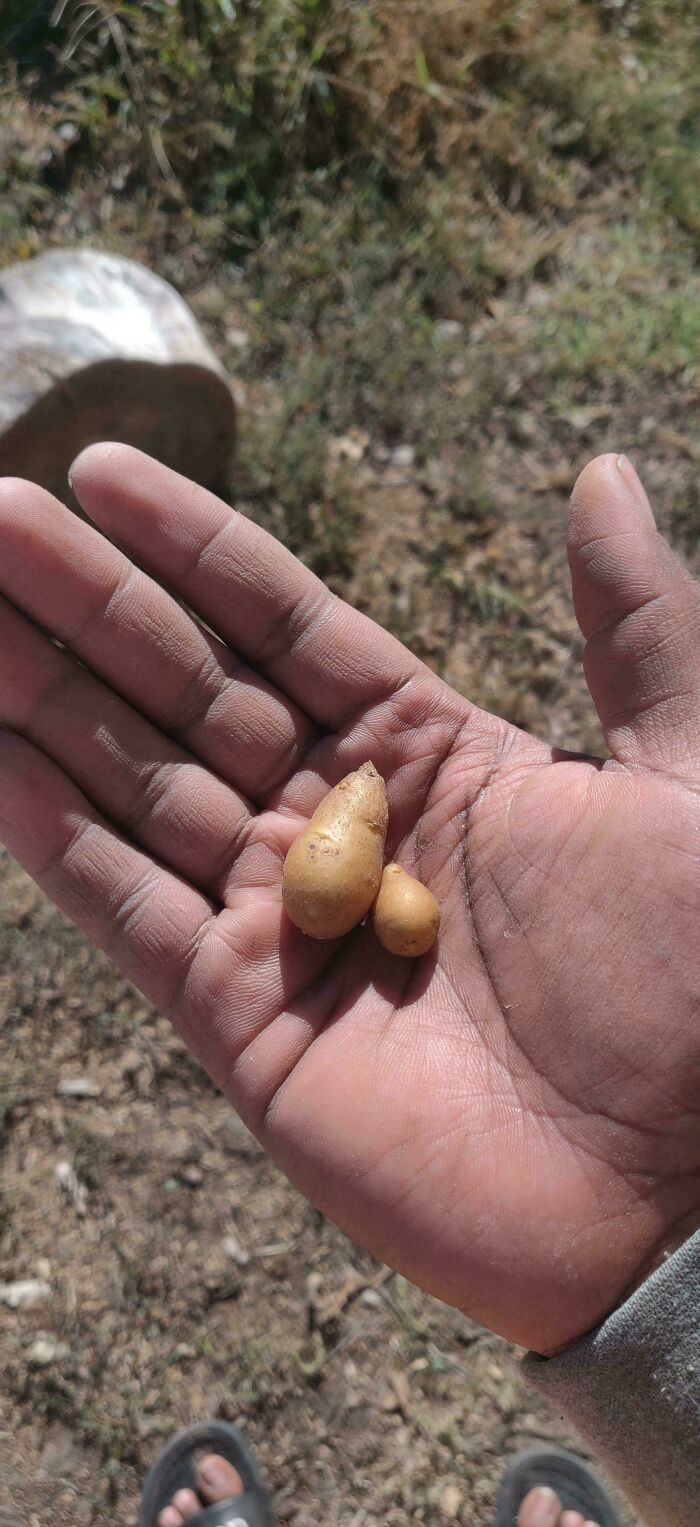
[[24, 1294], [238, 339], [450, 1501], [46, 1350], [448, 328], [234, 1250], [74, 1189], [78, 1087]]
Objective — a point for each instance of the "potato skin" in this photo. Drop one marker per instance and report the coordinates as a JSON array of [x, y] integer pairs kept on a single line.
[[334, 868], [406, 914]]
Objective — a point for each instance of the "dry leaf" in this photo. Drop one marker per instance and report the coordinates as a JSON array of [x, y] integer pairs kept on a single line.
[[673, 437], [398, 1397], [558, 479]]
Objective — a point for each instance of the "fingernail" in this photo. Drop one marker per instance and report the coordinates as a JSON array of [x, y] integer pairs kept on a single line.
[[543, 1508], [633, 483], [214, 1474]]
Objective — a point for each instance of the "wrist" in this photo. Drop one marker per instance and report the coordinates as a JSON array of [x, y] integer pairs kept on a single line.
[[668, 1245]]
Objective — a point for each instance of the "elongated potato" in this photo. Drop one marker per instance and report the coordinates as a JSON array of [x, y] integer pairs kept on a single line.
[[406, 915], [334, 868]]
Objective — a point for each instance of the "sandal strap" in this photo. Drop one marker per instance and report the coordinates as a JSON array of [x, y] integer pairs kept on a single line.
[[245, 1511], [570, 1476], [174, 1469]]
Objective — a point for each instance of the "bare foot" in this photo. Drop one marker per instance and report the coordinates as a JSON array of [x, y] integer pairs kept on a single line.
[[541, 1508], [217, 1480]]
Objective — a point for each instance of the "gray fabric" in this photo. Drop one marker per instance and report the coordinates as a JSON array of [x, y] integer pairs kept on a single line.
[[632, 1388]]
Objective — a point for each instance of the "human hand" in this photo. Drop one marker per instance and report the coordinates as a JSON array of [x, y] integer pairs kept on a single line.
[[512, 1121]]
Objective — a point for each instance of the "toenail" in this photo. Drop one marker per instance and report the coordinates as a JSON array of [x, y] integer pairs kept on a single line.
[[542, 1508], [215, 1475], [187, 1503], [169, 1517]]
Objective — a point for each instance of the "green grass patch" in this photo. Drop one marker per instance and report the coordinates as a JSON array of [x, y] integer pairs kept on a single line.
[[627, 307], [349, 177]]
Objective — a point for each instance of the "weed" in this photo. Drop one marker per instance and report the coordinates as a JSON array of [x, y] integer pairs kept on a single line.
[[627, 308]]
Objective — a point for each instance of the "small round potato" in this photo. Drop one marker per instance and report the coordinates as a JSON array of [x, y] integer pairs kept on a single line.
[[406, 914], [334, 868]]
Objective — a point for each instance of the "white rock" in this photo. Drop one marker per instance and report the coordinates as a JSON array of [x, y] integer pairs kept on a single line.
[[45, 1350], [25, 1294], [450, 1501], [234, 1250], [403, 456], [238, 338], [448, 328], [78, 1087], [74, 1189]]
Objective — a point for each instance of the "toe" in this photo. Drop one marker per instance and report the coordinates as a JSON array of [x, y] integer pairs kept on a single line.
[[217, 1479], [541, 1508], [187, 1504], [572, 1519], [169, 1517]]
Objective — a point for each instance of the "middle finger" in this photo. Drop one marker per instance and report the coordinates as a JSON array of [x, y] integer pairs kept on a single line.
[[63, 574]]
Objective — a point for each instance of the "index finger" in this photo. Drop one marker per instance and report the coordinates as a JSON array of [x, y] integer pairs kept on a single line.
[[327, 657]]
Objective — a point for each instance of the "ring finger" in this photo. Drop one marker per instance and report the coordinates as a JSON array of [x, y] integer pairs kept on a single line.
[[157, 793]]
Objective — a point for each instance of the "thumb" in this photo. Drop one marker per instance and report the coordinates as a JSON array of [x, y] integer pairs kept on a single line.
[[639, 610]]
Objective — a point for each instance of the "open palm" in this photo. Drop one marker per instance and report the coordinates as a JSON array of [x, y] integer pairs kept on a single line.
[[511, 1121]]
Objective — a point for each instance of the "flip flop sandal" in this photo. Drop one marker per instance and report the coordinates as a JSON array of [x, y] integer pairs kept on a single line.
[[575, 1484], [174, 1470]]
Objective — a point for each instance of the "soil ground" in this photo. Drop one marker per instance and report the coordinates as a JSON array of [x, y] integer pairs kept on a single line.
[[369, 1403]]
